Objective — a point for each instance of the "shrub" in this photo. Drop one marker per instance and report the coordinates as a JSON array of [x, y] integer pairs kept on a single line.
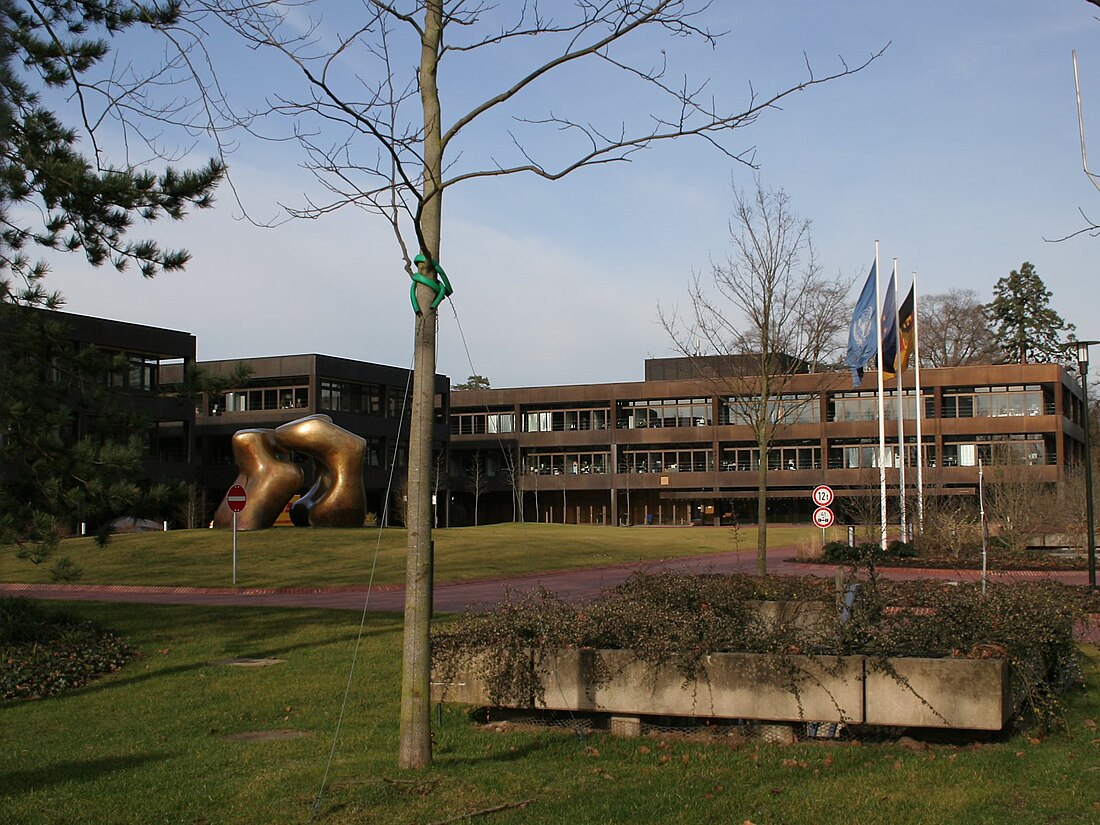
[[898, 549], [839, 552], [47, 653]]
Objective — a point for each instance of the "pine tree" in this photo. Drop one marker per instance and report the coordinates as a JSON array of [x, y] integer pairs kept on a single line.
[[83, 203], [1026, 327], [58, 467]]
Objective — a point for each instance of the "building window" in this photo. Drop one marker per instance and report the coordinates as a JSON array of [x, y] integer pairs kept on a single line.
[[791, 408], [564, 463], [143, 373], [862, 454], [481, 423], [1014, 448], [351, 397], [667, 460], [997, 402], [863, 406], [376, 449], [263, 394], [665, 412], [562, 420]]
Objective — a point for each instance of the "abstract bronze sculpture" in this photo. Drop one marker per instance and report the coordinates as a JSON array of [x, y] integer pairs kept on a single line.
[[336, 499], [268, 478]]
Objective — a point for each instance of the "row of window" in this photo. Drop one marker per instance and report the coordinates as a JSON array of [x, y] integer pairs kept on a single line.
[[334, 396], [958, 451], [964, 451], [134, 371], [549, 421], [253, 400], [665, 412], [800, 408]]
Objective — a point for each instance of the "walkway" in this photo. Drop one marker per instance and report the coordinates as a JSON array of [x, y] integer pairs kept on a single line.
[[451, 597]]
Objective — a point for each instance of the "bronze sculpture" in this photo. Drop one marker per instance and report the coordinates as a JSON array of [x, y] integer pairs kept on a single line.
[[336, 499], [268, 478]]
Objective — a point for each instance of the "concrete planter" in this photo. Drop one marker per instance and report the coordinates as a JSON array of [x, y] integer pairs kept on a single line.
[[949, 693], [956, 693]]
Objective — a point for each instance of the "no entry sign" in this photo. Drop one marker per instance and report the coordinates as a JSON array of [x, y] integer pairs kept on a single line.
[[823, 517], [236, 498]]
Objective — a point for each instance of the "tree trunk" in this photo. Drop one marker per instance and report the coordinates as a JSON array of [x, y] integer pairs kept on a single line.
[[415, 737], [762, 513]]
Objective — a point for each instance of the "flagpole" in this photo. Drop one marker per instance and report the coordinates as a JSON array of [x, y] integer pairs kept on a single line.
[[920, 407], [881, 412], [899, 368]]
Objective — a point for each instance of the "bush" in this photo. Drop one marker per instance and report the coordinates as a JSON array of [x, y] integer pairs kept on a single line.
[[45, 653], [898, 549], [839, 552]]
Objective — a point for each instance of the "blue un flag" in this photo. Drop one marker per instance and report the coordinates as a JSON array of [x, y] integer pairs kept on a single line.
[[863, 334]]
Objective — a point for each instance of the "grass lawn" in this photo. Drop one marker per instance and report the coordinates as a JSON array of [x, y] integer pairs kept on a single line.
[[290, 557], [148, 744]]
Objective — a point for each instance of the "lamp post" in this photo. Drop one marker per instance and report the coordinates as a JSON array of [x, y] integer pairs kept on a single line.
[[1083, 366]]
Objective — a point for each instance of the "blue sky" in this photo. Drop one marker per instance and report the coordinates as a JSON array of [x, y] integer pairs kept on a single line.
[[958, 150]]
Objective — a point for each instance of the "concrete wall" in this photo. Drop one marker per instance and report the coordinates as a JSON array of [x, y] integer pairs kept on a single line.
[[944, 693]]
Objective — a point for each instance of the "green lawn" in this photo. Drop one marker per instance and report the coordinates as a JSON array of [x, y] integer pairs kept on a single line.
[[289, 557], [148, 744]]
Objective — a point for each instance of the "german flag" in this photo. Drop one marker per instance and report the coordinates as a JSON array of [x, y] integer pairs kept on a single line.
[[906, 317]]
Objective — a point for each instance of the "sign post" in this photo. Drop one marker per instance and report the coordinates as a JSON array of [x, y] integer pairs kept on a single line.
[[823, 516], [236, 498]]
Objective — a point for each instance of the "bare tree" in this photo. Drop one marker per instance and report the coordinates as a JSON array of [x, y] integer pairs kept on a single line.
[[826, 317], [951, 523], [371, 123], [439, 477], [955, 330], [757, 311], [1022, 508], [512, 473], [476, 480]]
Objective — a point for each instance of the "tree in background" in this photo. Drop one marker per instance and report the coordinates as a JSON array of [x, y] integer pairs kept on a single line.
[[955, 330], [758, 311], [1025, 326], [477, 481], [57, 466], [474, 382]]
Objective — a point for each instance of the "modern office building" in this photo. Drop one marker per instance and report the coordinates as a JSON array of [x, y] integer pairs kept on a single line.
[[146, 352], [675, 450], [671, 449]]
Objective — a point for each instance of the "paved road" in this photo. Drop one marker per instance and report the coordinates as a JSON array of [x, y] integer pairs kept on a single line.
[[450, 597]]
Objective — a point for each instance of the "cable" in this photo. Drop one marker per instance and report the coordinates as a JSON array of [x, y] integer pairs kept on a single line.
[[316, 806]]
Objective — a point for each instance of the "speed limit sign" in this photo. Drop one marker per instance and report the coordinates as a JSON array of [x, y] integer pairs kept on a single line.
[[823, 495], [823, 517]]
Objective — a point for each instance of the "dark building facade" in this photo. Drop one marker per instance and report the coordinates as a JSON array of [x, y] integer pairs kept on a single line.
[[678, 450], [667, 450], [148, 353]]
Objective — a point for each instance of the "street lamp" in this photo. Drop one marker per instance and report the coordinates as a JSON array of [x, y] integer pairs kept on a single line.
[[1083, 366]]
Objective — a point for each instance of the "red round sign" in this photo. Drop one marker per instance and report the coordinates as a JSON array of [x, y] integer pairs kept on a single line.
[[823, 495], [236, 498], [823, 517]]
